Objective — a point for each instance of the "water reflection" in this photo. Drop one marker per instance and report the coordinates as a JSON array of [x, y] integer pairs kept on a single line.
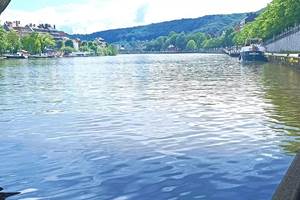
[[282, 88], [141, 127]]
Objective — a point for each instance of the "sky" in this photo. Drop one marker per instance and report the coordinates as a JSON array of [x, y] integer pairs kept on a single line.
[[87, 16]]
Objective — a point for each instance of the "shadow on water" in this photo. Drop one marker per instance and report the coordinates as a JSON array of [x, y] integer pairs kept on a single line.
[[5, 195], [282, 89]]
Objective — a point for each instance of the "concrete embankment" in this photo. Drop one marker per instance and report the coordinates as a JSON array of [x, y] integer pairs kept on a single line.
[[287, 59], [288, 41]]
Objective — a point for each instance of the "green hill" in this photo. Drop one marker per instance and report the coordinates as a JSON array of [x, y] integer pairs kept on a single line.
[[211, 24]]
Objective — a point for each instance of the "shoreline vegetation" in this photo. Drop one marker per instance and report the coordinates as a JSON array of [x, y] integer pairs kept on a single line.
[[43, 45], [266, 24]]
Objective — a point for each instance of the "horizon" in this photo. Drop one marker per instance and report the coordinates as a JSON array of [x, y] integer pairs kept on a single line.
[[98, 16]]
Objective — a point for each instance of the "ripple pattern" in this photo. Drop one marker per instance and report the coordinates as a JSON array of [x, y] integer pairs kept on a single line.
[[146, 127]]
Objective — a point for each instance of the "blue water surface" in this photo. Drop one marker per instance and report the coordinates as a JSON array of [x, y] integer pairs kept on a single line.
[[146, 127]]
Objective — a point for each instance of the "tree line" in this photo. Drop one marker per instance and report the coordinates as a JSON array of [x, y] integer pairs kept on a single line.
[[34, 43], [278, 16], [273, 20], [191, 42], [37, 43]]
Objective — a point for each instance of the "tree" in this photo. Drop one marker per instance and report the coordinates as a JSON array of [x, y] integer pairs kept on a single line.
[[69, 43], [212, 43], [191, 45], [181, 41], [3, 41], [46, 41], [84, 49], [32, 43], [198, 37], [172, 38], [13, 42], [67, 50], [93, 47], [228, 37], [60, 44], [278, 16], [112, 51]]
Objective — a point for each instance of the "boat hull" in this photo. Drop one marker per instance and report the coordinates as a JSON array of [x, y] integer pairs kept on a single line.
[[16, 57], [253, 56]]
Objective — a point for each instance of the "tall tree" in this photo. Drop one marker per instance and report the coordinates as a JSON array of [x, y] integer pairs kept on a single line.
[[32, 43], [191, 45], [47, 41], [13, 42], [3, 41], [181, 41], [69, 43]]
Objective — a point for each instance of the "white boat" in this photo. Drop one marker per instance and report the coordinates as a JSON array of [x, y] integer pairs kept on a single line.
[[39, 56], [18, 55], [253, 51]]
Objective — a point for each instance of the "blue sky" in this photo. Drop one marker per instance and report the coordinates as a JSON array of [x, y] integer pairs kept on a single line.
[[86, 16]]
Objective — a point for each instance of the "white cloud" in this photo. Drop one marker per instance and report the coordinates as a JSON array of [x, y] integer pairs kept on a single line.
[[95, 15]]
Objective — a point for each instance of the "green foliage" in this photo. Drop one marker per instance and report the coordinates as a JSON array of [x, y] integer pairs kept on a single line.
[[97, 49], [69, 43], [84, 49], [36, 43], [211, 24], [60, 44], [32, 43], [228, 37], [112, 51], [181, 41], [279, 15], [213, 43], [47, 41], [3, 41], [67, 50], [199, 38], [190, 42], [191, 45], [13, 42]]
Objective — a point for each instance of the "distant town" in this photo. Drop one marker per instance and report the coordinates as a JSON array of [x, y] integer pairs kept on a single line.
[[46, 41]]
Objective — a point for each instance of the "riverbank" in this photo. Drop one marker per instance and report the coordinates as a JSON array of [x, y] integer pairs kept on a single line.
[[288, 59], [215, 51]]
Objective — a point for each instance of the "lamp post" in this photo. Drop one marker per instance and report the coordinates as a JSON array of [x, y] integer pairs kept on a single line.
[[3, 5]]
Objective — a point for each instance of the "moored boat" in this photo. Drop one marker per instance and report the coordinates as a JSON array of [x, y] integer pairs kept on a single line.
[[18, 55], [253, 51], [39, 56], [232, 52]]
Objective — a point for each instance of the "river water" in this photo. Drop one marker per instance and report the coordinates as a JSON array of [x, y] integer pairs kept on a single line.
[[146, 127]]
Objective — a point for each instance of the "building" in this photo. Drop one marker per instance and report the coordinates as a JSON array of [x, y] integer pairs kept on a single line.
[[76, 44], [16, 26], [31, 28], [101, 42], [3, 5], [250, 18], [47, 28]]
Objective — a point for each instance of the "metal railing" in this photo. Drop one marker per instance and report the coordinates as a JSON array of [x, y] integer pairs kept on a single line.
[[285, 33]]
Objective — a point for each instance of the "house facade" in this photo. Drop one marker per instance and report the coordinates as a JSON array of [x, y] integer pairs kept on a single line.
[[31, 28]]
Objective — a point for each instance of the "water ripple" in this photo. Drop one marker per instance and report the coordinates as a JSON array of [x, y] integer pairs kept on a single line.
[[146, 127]]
